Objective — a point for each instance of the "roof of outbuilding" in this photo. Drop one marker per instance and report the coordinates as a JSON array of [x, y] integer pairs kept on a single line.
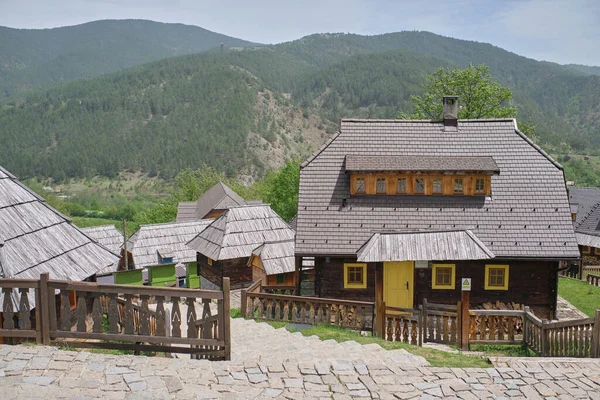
[[35, 238], [107, 235], [277, 257], [218, 197], [527, 216], [240, 230], [584, 199], [420, 163], [167, 239]]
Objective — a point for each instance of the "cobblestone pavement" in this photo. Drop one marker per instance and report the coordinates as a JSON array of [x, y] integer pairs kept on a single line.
[[566, 310], [28, 372]]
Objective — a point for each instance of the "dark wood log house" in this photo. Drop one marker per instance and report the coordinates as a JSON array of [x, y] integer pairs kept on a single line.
[[403, 209], [585, 210], [224, 248]]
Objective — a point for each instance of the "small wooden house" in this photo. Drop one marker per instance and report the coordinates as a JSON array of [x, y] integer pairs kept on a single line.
[[107, 235], [226, 245], [35, 238], [210, 205], [585, 209], [165, 244], [401, 210], [272, 263]]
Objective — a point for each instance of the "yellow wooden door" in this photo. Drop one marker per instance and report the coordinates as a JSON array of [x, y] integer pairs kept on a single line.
[[398, 283]]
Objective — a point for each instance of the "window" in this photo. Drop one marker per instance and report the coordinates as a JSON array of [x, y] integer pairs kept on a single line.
[[596, 251], [355, 276], [443, 276], [420, 185], [360, 185], [458, 185], [586, 250], [380, 185], [437, 185], [479, 186], [209, 261], [401, 185], [496, 277], [280, 279]]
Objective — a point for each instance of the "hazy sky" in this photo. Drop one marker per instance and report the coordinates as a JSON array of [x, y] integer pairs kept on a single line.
[[564, 31]]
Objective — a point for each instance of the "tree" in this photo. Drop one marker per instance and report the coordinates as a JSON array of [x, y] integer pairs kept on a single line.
[[280, 189], [480, 95]]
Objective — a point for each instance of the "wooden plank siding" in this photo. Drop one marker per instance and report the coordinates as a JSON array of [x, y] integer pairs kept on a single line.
[[531, 283], [392, 183], [236, 270]]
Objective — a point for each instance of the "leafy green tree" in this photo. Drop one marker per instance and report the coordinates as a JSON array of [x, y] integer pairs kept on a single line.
[[280, 189], [480, 95]]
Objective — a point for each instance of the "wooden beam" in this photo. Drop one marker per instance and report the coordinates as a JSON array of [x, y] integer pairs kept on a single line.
[[226, 319], [464, 319]]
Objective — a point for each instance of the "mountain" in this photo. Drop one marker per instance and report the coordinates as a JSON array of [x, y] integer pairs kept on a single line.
[[244, 110], [33, 57]]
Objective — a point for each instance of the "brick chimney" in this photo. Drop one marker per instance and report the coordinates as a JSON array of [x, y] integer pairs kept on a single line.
[[451, 111]]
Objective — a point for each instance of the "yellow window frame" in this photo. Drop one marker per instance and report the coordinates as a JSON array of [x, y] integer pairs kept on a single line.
[[452, 284], [348, 285], [209, 261], [489, 267]]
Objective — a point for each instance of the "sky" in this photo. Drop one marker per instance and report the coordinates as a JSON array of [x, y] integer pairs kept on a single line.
[[563, 31]]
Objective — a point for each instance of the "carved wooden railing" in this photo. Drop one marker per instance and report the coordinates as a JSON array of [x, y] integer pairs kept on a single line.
[[120, 323], [496, 326], [307, 310], [403, 325], [593, 279], [18, 319], [441, 323]]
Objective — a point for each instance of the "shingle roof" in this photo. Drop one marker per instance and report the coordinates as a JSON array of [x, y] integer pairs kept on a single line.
[[167, 239], [36, 238], [218, 197], [277, 257], [423, 246], [240, 230], [420, 163], [584, 198], [588, 240], [107, 235], [528, 214]]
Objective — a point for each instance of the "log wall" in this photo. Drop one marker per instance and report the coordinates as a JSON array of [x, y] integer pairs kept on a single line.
[[236, 270], [329, 280]]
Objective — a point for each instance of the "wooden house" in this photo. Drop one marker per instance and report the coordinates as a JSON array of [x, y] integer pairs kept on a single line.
[[156, 245], [401, 210], [272, 263], [226, 245], [35, 238], [210, 205], [585, 210]]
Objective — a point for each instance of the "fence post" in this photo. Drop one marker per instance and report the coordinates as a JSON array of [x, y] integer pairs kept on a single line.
[[425, 320], [595, 353], [545, 339], [420, 325], [465, 319], [226, 319], [244, 303], [459, 318], [525, 325], [44, 307]]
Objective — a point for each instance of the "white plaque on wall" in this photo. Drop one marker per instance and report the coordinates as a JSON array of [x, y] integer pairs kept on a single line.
[[421, 264]]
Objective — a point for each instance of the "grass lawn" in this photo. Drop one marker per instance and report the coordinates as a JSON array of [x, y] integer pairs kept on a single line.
[[504, 350], [436, 358], [583, 296]]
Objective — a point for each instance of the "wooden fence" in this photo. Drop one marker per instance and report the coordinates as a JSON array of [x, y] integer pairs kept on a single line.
[[496, 326], [119, 316], [589, 269], [255, 304], [402, 325]]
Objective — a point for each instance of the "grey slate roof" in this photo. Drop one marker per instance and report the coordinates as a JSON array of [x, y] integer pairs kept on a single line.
[[420, 163], [36, 238], [277, 257], [588, 240], [423, 246], [107, 235], [240, 230], [527, 216], [584, 199], [218, 197], [167, 239]]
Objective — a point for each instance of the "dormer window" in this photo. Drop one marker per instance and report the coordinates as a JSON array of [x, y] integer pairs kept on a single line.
[[437, 185], [401, 185], [360, 185], [419, 185], [479, 185], [458, 186], [381, 185]]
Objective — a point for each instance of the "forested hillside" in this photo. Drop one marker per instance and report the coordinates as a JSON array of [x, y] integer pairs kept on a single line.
[[32, 57], [243, 111]]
